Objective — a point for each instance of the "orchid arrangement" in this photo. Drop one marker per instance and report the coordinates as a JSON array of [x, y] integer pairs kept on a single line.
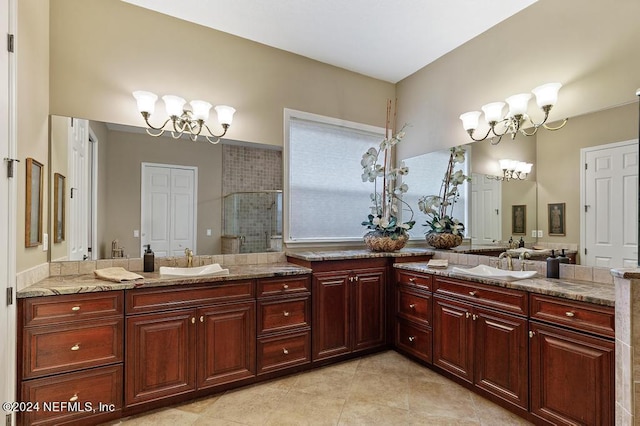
[[386, 204], [439, 208]]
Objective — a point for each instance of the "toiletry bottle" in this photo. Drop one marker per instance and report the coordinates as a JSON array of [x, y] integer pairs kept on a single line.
[[149, 259], [521, 243], [553, 266], [510, 242], [563, 258]]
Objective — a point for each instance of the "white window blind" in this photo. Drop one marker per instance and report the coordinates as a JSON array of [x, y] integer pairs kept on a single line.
[[327, 198]]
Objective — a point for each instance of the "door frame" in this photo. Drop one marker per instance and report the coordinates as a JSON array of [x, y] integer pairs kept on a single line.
[[93, 207], [195, 199], [8, 218], [583, 184]]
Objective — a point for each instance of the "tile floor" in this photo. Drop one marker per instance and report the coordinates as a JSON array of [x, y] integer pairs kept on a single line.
[[381, 389]]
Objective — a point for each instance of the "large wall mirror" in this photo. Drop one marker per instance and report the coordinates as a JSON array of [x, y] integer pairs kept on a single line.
[[124, 189], [493, 210]]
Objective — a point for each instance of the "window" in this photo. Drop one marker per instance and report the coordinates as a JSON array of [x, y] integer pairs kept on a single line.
[[327, 199]]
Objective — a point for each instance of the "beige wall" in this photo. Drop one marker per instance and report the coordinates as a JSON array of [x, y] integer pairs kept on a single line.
[[33, 120], [102, 50], [558, 161], [125, 153], [589, 46]]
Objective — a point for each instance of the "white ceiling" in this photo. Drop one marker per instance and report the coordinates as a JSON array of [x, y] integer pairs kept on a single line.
[[384, 39]]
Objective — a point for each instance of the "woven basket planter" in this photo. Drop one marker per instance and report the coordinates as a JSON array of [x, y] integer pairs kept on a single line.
[[443, 240], [375, 241]]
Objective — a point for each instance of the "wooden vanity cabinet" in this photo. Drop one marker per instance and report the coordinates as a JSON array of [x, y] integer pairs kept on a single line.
[[480, 344], [284, 323], [414, 315], [188, 339], [572, 362], [70, 353]]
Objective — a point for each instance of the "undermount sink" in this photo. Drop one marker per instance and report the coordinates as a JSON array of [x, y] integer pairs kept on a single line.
[[198, 271], [484, 271]]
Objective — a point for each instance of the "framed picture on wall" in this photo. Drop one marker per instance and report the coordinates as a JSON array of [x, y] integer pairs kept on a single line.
[[557, 219], [58, 208], [519, 219], [33, 210]]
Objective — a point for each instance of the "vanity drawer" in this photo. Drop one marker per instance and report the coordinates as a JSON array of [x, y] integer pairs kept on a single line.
[[69, 395], [579, 315], [414, 305], [481, 294], [169, 298], [58, 309], [283, 351], [283, 286], [414, 339], [63, 348], [419, 281], [280, 315]]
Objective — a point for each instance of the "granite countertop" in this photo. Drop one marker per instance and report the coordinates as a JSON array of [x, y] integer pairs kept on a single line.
[[73, 284], [584, 291], [318, 256]]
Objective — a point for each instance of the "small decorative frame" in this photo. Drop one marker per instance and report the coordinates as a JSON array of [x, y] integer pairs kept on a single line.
[[557, 219], [519, 219], [58, 208], [33, 210]]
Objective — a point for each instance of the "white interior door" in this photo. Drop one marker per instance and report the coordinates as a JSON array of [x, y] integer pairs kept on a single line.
[[168, 200], [79, 186], [611, 205], [486, 212]]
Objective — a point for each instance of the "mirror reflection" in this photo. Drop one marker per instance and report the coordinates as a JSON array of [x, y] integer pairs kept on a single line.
[[492, 208], [125, 189]]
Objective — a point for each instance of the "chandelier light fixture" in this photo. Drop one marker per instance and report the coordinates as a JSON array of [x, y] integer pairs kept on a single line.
[[191, 122], [516, 118], [513, 169]]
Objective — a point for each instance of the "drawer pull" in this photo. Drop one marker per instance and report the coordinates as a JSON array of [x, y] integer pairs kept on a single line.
[[74, 398], [285, 313], [412, 306], [412, 338], [285, 286], [412, 280], [285, 351], [570, 314], [75, 308], [75, 347], [473, 293]]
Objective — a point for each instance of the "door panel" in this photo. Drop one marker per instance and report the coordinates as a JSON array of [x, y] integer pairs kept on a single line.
[[453, 343], [330, 315], [78, 169], [368, 315]]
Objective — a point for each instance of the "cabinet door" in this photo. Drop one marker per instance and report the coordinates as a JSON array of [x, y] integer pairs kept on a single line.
[[501, 355], [330, 314], [368, 289], [226, 343], [453, 340], [160, 359], [572, 377]]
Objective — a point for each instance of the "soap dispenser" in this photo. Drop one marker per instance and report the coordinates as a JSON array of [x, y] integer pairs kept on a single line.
[[563, 258], [149, 259], [521, 243], [553, 266]]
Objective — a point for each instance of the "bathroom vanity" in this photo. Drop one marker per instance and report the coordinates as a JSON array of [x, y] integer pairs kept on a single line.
[[541, 348]]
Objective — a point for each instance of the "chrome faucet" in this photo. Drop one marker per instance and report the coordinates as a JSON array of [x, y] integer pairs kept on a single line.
[[509, 260], [524, 255], [189, 254]]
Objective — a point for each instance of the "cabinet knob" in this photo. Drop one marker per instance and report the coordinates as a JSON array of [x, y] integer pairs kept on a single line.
[[473, 293], [350, 279], [75, 308], [285, 286], [356, 278], [475, 317], [532, 333], [193, 320], [412, 338], [285, 351], [412, 306], [570, 314], [201, 318], [74, 397], [467, 314], [75, 347], [412, 280], [285, 313]]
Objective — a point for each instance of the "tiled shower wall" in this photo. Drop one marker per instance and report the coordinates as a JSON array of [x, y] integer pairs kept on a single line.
[[247, 169]]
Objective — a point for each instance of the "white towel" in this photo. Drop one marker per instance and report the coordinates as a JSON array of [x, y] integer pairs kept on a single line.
[[116, 274]]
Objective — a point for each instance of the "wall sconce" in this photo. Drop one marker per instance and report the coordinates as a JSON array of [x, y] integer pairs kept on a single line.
[[191, 122], [512, 169], [512, 123]]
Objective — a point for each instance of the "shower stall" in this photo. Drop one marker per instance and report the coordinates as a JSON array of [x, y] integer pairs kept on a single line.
[[252, 222]]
